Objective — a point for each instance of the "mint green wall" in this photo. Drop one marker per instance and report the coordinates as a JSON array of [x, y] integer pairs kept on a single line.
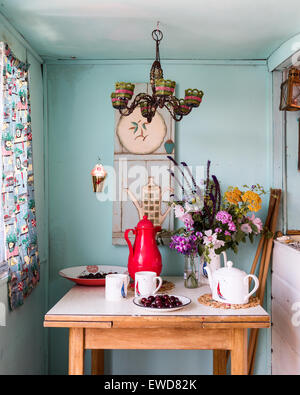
[[231, 128], [293, 174], [22, 340]]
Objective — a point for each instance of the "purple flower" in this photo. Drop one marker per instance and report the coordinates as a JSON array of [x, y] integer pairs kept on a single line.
[[224, 217], [227, 233], [218, 230], [231, 226], [184, 244]]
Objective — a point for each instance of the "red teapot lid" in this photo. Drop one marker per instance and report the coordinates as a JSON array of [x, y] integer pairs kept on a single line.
[[145, 223]]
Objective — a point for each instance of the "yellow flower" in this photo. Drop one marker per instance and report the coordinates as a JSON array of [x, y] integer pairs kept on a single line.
[[253, 200], [233, 196]]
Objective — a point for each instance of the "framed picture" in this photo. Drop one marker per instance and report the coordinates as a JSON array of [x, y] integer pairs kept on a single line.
[[144, 183]]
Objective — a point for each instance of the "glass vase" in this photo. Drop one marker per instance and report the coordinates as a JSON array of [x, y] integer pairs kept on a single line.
[[191, 271]]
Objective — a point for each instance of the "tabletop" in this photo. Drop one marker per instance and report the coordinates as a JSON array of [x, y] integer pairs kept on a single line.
[[88, 304]]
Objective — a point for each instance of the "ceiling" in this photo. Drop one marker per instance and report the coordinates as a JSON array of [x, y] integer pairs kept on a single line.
[[121, 29]]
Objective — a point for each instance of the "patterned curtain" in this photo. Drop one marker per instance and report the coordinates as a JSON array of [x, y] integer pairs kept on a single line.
[[17, 187]]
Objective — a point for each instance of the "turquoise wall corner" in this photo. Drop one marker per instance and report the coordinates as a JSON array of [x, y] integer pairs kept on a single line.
[[232, 128]]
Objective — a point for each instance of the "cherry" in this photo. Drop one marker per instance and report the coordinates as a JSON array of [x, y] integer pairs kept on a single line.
[[161, 301]]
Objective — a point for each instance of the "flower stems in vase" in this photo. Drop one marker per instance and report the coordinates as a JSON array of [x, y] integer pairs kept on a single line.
[[191, 271]]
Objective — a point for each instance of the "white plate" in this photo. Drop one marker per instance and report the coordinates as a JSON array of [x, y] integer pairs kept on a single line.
[[185, 302]]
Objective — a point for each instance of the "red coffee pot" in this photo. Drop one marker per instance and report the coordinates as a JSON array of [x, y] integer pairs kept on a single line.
[[144, 255]]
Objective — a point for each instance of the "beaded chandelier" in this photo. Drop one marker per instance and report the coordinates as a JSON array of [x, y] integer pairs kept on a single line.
[[162, 93]]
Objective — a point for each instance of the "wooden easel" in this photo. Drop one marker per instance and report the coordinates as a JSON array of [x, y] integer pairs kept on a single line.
[[263, 255]]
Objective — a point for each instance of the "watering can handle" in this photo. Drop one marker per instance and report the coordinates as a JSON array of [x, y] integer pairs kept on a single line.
[[127, 239], [225, 258]]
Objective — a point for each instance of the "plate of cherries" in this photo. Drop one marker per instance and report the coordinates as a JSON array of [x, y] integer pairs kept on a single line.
[[162, 303]]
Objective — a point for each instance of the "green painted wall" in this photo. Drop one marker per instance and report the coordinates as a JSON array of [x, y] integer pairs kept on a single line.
[[293, 174], [22, 340], [232, 129]]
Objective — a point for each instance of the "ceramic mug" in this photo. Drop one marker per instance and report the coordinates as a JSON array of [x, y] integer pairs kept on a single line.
[[116, 286], [145, 283]]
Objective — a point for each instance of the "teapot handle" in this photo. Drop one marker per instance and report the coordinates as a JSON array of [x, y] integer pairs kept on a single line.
[[256, 285], [127, 239]]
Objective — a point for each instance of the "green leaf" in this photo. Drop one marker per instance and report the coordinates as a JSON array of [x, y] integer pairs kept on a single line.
[[239, 236], [251, 237]]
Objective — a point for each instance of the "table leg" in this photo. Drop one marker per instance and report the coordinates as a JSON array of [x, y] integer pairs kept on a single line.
[[76, 351], [220, 362], [239, 358], [97, 362]]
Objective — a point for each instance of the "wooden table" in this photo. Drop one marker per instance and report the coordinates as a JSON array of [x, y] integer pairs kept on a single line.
[[97, 324]]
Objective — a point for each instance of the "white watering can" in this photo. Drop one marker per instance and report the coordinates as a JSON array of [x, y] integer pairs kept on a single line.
[[214, 264], [230, 285]]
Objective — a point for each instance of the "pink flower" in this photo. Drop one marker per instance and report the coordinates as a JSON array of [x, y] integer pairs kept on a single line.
[[227, 233], [224, 217], [179, 211], [231, 226], [218, 244], [187, 219], [257, 222], [210, 237], [246, 228]]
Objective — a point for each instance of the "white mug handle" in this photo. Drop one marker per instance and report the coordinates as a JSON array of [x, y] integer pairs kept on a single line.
[[256, 285], [225, 258], [159, 285]]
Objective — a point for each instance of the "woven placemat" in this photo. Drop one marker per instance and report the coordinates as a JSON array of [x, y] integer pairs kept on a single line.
[[207, 300], [165, 287]]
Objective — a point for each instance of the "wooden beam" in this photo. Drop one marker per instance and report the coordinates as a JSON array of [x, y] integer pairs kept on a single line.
[[239, 360], [76, 351], [159, 339], [220, 362], [97, 362]]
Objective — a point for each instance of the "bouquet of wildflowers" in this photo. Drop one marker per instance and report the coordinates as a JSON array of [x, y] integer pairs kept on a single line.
[[212, 223]]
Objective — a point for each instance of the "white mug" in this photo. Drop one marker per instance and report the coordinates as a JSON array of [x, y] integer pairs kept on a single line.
[[116, 286], [145, 283]]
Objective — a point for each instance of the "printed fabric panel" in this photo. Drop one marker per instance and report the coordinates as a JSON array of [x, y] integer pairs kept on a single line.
[[18, 183]]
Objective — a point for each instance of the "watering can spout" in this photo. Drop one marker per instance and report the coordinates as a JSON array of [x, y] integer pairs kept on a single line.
[[135, 202]]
